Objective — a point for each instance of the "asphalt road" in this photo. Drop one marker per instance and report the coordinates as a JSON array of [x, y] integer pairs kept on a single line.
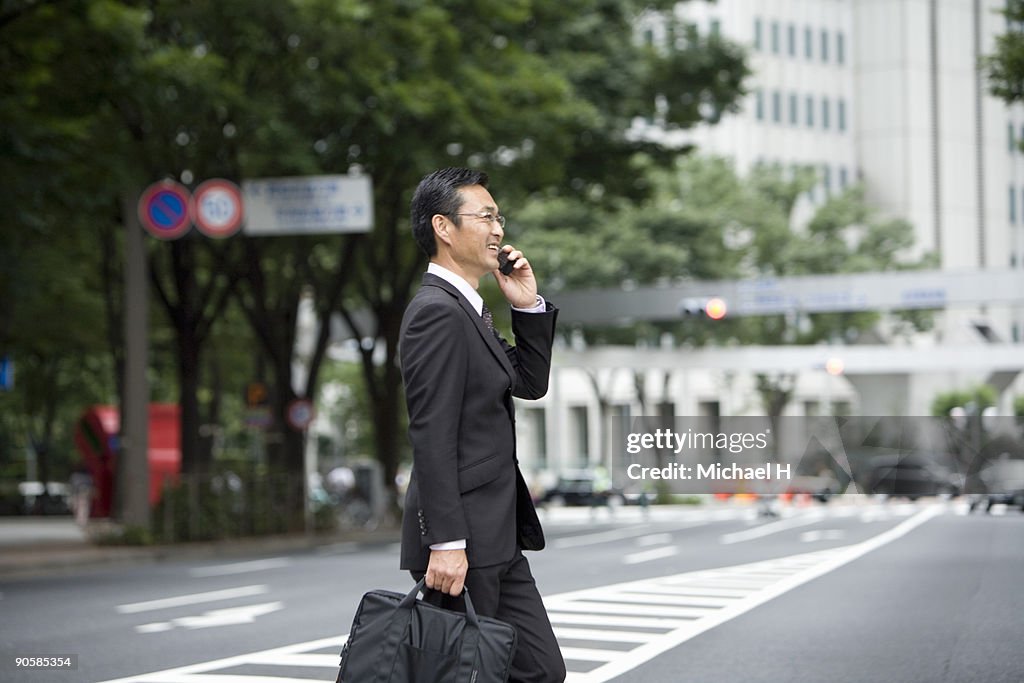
[[862, 591]]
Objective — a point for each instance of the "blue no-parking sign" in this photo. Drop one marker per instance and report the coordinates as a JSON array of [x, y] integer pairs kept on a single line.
[[164, 210], [6, 373]]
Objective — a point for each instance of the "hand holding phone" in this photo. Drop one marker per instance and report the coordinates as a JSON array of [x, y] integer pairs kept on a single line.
[[504, 264]]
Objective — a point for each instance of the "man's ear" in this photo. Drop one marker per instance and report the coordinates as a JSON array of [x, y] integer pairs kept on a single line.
[[441, 227]]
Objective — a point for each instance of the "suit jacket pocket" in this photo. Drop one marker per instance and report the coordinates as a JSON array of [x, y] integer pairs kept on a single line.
[[475, 475]]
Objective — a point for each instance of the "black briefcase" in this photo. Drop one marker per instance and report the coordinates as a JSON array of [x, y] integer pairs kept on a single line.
[[398, 638]]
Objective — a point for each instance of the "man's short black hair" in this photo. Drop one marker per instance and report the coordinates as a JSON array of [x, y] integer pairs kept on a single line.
[[438, 193]]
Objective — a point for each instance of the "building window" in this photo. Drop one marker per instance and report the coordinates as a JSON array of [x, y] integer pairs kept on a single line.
[[843, 179], [648, 37], [840, 48], [824, 45], [826, 179], [824, 113], [581, 434], [715, 27], [775, 37], [841, 115], [794, 109], [757, 34], [777, 107], [760, 105], [536, 426], [810, 111], [1013, 205], [808, 43], [791, 40], [1011, 138]]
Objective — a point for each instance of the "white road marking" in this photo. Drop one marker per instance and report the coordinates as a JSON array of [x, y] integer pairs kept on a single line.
[[192, 599], [604, 612], [822, 535], [649, 555], [599, 537], [594, 634], [240, 567], [193, 673], [772, 528], [230, 616], [654, 539]]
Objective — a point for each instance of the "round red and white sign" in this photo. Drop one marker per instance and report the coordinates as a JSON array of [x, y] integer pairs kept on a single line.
[[217, 208], [300, 413]]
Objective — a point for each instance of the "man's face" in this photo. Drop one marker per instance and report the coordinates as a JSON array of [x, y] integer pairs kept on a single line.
[[475, 241]]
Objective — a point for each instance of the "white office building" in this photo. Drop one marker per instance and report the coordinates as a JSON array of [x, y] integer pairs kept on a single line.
[[884, 92]]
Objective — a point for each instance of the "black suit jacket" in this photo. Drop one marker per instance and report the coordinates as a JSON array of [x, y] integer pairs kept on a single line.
[[459, 382]]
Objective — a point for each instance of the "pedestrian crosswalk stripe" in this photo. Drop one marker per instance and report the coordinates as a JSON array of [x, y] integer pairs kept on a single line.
[[609, 614]]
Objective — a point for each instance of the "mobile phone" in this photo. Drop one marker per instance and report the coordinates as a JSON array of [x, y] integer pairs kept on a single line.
[[504, 264]]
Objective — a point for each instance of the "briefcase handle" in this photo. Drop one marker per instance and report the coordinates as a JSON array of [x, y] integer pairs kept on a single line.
[[470, 635]]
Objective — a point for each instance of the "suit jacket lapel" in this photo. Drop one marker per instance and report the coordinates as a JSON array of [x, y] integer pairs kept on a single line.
[[489, 339]]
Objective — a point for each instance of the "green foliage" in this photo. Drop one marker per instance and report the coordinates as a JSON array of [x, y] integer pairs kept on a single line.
[[979, 397], [1018, 406], [1005, 66], [102, 97]]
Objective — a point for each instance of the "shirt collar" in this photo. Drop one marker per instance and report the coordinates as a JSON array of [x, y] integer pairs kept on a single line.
[[457, 281]]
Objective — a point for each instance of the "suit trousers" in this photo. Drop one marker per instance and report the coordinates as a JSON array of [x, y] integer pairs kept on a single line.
[[509, 593]]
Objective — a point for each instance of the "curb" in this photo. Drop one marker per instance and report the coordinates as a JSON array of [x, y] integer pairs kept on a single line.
[[39, 559]]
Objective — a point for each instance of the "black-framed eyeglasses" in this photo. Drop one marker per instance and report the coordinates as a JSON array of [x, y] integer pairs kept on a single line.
[[486, 216]]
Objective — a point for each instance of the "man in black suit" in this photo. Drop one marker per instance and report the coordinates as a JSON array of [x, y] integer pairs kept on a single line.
[[468, 512]]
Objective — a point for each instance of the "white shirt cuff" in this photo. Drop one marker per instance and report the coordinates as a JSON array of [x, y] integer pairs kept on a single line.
[[450, 545], [540, 307]]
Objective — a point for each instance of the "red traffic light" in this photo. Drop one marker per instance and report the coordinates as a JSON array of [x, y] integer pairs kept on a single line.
[[715, 308]]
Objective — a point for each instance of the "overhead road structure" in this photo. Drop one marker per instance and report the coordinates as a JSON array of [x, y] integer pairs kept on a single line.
[[888, 291]]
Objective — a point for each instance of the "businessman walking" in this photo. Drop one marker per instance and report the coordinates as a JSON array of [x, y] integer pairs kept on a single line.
[[468, 513]]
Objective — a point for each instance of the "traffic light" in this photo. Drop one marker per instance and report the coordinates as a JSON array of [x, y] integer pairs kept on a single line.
[[714, 308]]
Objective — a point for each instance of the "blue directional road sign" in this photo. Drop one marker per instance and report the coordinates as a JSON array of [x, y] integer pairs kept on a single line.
[[164, 210]]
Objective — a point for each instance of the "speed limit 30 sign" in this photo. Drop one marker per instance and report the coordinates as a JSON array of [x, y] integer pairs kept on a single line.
[[217, 209]]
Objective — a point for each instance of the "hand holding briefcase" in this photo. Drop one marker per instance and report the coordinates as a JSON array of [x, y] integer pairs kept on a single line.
[[398, 638]]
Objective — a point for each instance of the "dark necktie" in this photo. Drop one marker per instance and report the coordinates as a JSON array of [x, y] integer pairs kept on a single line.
[[488, 318]]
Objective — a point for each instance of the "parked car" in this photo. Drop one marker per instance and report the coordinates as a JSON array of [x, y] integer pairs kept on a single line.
[[911, 476], [580, 488]]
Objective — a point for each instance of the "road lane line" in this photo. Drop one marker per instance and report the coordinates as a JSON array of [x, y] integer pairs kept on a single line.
[[669, 589], [301, 660], [594, 607], [240, 567], [586, 654], [190, 671], [599, 634], [654, 539], [768, 529], [580, 619], [192, 599], [650, 555], [693, 601]]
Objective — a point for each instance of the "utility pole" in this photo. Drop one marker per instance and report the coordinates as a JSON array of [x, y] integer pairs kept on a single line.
[[133, 455]]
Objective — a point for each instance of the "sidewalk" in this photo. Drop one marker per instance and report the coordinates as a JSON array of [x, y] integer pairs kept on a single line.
[[30, 546]]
